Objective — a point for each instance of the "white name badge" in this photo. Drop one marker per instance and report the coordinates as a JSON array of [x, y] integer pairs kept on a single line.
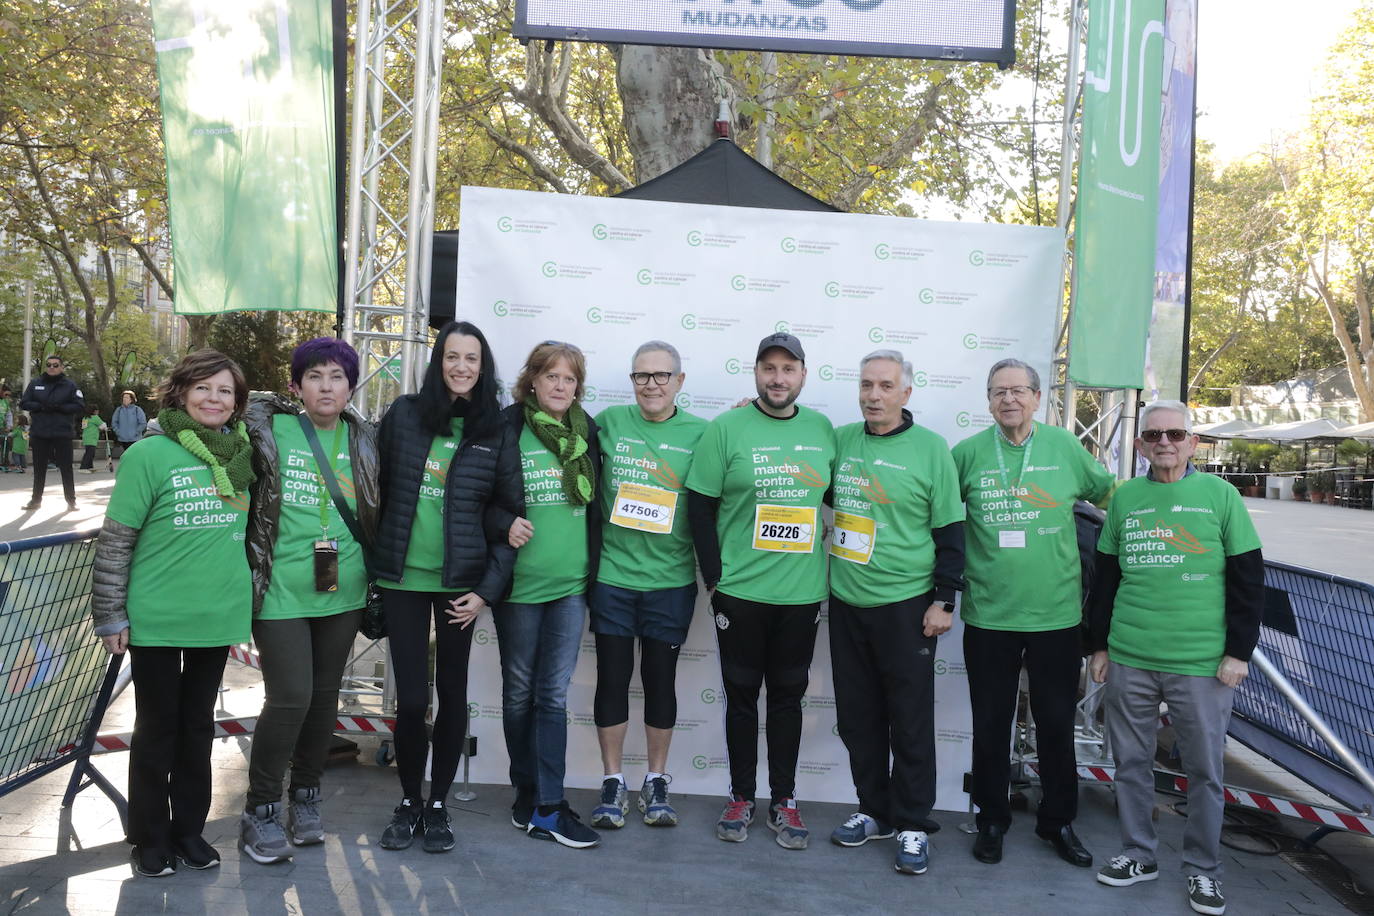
[[853, 538], [784, 529], [1015, 538], [644, 508]]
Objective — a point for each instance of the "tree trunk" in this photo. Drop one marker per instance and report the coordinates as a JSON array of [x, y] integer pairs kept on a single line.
[[670, 97], [200, 331]]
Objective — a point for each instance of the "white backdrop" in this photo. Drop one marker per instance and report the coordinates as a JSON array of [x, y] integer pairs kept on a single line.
[[609, 274]]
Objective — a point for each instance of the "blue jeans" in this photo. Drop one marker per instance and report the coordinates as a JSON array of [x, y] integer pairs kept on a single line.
[[538, 644]]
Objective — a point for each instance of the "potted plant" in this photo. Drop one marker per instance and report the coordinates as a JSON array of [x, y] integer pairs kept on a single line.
[[1300, 489]]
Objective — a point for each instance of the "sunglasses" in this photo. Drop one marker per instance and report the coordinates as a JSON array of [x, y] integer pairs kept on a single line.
[[1154, 435]]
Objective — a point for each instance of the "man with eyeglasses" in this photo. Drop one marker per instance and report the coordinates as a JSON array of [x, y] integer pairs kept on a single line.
[[1176, 611], [1023, 604], [53, 402], [758, 478], [646, 583]]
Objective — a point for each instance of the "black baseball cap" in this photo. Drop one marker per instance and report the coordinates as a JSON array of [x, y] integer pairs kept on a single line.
[[784, 341]]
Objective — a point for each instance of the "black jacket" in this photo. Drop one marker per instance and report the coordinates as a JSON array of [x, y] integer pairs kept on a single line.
[[53, 403], [483, 483], [514, 415], [264, 517]]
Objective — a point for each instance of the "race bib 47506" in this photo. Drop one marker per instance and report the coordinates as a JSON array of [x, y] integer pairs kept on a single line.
[[644, 508]]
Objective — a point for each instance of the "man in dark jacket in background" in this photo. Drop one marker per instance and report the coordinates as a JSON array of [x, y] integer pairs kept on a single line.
[[53, 401]]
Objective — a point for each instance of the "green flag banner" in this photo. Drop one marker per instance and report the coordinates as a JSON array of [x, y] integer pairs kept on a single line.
[[248, 130], [1118, 193]]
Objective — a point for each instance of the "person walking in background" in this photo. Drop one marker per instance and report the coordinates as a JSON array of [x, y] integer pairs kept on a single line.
[[309, 583], [448, 466], [172, 585], [7, 424], [53, 402], [19, 442], [91, 428], [539, 624], [129, 422]]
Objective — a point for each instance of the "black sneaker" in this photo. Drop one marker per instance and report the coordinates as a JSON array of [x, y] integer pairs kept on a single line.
[[438, 834], [1204, 895], [194, 852], [1123, 871], [405, 823], [562, 825], [523, 808], [151, 862]]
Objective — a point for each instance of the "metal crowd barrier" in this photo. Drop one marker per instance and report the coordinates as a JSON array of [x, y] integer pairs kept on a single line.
[[55, 679]]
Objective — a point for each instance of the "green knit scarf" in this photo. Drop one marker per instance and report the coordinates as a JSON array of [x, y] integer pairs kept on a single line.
[[228, 455], [568, 443]]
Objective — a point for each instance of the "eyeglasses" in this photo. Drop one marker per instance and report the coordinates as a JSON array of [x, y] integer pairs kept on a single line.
[[642, 378], [1154, 435], [1001, 394], [54, 363]]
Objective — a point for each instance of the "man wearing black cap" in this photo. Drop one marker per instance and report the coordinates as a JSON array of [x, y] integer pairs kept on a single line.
[[54, 402], [757, 481]]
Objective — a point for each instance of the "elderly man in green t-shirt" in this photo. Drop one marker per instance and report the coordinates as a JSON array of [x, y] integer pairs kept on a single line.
[[1176, 612], [1023, 604]]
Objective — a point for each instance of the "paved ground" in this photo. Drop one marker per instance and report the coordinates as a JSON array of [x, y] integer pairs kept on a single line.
[[51, 863]]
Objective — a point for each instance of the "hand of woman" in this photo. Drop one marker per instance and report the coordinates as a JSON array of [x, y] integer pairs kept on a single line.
[[116, 644], [520, 532], [464, 610]]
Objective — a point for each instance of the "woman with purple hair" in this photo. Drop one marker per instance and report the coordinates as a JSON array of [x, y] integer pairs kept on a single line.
[[309, 583]]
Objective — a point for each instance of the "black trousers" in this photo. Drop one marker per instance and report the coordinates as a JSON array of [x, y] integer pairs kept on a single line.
[[407, 629], [174, 728], [762, 644], [59, 452], [884, 670], [88, 458], [1052, 659]]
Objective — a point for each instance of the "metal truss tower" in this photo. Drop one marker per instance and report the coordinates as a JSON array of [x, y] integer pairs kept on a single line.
[[392, 149]]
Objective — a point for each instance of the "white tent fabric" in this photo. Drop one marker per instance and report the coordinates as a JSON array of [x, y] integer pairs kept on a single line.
[[1225, 429], [1294, 431], [1358, 431]]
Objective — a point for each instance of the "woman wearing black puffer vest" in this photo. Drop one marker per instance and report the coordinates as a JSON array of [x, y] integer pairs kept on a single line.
[[450, 470]]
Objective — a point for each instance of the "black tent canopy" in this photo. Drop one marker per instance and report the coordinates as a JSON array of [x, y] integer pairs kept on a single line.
[[721, 174]]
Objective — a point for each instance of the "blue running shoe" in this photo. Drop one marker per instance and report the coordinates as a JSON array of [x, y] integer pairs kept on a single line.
[[858, 830], [562, 826], [615, 801], [653, 801], [912, 852]]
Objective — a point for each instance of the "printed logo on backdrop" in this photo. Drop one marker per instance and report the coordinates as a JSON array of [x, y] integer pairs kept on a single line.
[[698, 239], [944, 666], [974, 341], [837, 290], [980, 258], [803, 330], [524, 226], [478, 711], [594, 394], [555, 271], [929, 296], [484, 637], [895, 335], [829, 373], [598, 315], [944, 382], [885, 252], [646, 277], [702, 762], [792, 245], [966, 420], [742, 283], [711, 695], [603, 233], [694, 322], [503, 309]]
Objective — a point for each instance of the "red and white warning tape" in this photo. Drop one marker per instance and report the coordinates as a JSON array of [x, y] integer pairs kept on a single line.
[[234, 728], [246, 656]]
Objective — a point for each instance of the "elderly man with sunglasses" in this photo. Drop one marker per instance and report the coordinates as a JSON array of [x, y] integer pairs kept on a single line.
[[1175, 615], [1023, 603]]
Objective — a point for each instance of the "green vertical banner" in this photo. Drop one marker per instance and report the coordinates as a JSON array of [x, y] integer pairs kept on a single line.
[[248, 129], [1118, 193]]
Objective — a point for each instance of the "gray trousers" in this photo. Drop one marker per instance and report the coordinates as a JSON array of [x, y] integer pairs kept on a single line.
[[1200, 709]]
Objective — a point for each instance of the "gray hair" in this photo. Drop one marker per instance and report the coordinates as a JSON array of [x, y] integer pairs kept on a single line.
[[650, 346], [1176, 406], [1015, 364], [896, 357]]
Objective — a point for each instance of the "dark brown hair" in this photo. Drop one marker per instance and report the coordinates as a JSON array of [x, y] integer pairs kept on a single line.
[[541, 358], [197, 366]]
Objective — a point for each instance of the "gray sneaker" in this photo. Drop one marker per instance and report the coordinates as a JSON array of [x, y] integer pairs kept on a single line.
[[303, 821], [262, 837], [610, 813], [653, 801]]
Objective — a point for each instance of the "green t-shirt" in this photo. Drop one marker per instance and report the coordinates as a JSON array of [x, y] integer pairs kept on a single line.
[[19, 444], [553, 564], [424, 565], [90, 430], [640, 453], [189, 582], [889, 492], [771, 476], [291, 593], [1020, 542], [1172, 540]]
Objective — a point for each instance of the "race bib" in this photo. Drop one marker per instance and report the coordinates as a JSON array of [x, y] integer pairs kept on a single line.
[[644, 508], [1016, 538], [853, 538], [786, 529]]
